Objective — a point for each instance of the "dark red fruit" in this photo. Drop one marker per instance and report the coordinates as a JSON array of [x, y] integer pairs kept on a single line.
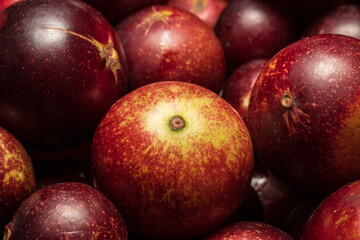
[[276, 197], [250, 29], [61, 68], [72, 211], [304, 113], [344, 19], [238, 86], [207, 10], [17, 177], [337, 217], [164, 43], [248, 230], [117, 10]]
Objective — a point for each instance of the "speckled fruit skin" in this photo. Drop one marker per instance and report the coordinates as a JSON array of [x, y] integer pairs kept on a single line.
[[163, 43], [207, 10], [250, 29], [304, 113], [238, 86], [248, 230], [337, 217], [117, 10], [172, 184], [61, 68], [17, 177], [68, 210], [345, 19]]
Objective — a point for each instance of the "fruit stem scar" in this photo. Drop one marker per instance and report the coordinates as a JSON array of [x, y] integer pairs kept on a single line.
[[177, 123], [107, 51], [287, 101]]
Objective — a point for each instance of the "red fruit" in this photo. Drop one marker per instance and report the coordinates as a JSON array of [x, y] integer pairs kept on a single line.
[[174, 157], [237, 88], [5, 3], [250, 29], [61, 68], [164, 43], [117, 10], [207, 10], [304, 113], [337, 217], [344, 19], [72, 211], [17, 177], [248, 230]]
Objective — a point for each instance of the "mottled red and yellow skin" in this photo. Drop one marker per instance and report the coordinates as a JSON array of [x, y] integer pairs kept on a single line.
[[238, 86], [304, 113], [172, 184], [337, 217], [164, 43], [17, 177], [61, 67], [207, 10], [248, 230], [66, 211], [344, 19]]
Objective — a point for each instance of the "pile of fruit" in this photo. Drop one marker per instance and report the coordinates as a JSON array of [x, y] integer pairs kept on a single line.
[[179, 119]]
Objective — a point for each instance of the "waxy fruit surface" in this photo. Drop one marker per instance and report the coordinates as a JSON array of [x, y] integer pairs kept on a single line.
[[304, 113], [164, 43], [66, 211], [174, 157], [61, 68], [17, 176]]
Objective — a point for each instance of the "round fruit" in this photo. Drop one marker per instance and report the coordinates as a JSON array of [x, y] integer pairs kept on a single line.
[[61, 68], [164, 43], [304, 113], [17, 177], [248, 230], [337, 217], [69, 210], [174, 157]]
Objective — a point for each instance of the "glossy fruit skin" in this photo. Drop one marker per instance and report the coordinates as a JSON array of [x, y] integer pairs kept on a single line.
[[172, 184], [66, 210], [248, 230], [344, 19], [238, 86], [164, 43], [62, 66], [117, 10], [207, 10], [304, 113], [250, 29], [337, 217], [17, 176]]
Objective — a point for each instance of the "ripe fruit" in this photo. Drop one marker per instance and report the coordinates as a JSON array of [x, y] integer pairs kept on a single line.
[[345, 19], [17, 177], [304, 113], [250, 29], [5, 3], [248, 230], [72, 211], [238, 86], [117, 10], [164, 43], [337, 217], [207, 10], [61, 68], [174, 157]]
